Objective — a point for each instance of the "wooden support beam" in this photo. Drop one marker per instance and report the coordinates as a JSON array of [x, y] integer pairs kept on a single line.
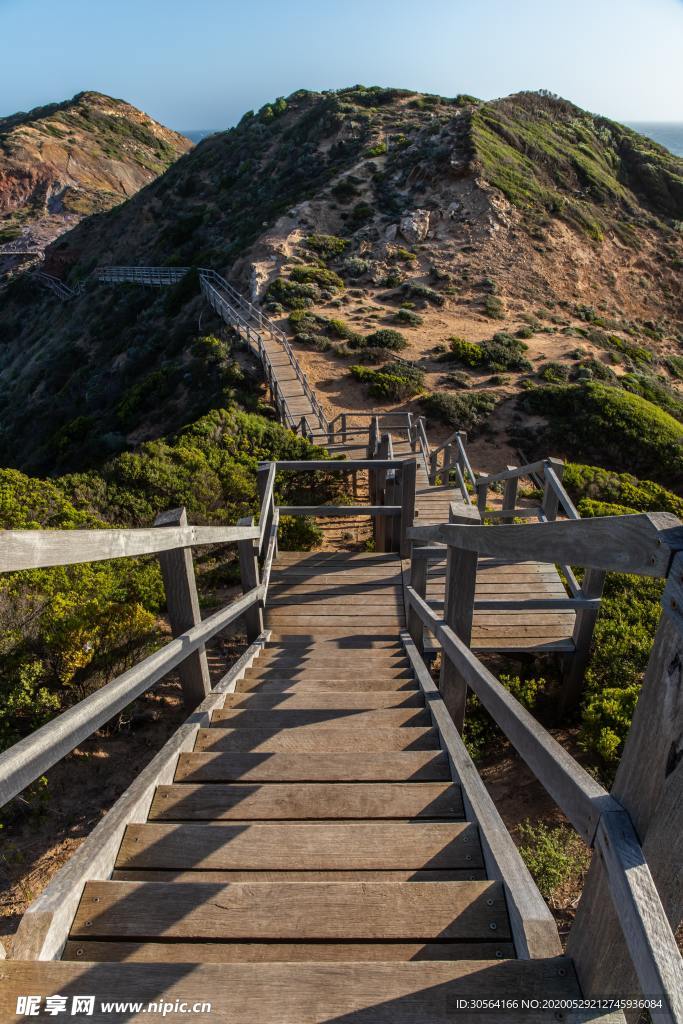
[[408, 478], [249, 575], [461, 578], [418, 581], [482, 493], [510, 496], [177, 570], [572, 684], [551, 498]]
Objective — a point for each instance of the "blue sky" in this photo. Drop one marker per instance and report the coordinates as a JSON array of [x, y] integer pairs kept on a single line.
[[202, 63]]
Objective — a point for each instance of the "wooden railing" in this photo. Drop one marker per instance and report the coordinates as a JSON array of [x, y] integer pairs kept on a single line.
[[621, 906], [157, 277], [392, 495], [63, 291], [172, 540], [452, 456]]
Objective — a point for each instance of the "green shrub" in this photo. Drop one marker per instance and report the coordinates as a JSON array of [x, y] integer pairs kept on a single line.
[[424, 292], [385, 338], [554, 855], [340, 329], [554, 373], [291, 294], [393, 279], [607, 426], [494, 308], [393, 382], [402, 254], [502, 352], [326, 246], [377, 150], [592, 483], [675, 366], [464, 411], [654, 391], [406, 316], [360, 215], [317, 275]]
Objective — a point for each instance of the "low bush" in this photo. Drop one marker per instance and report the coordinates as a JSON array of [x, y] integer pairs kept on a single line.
[[423, 292], [494, 308], [392, 382], [385, 338], [326, 246], [291, 294], [555, 856], [464, 411], [406, 316], [320, 276], [554, 373], [501, 352]]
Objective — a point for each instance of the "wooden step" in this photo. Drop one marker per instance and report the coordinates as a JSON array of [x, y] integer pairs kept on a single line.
[[347, 644], [324, 672], [404, 766], [259, 684], [322, 699], [309, 740], [289, 801], [327, 847], [350, 631], [293, 911], [302, 718], [281, 993], [287, 952], [291, 875]]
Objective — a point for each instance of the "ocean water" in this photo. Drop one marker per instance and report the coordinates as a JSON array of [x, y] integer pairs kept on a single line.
[[197, 134], [666, 133]]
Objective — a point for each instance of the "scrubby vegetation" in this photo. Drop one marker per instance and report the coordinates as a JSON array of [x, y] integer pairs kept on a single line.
[[610, 427], [501, 352], [392, 382], [463, 411], [555, 856]]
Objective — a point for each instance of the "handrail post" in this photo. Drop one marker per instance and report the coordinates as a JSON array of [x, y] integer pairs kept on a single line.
[[551, 500], [433, 467], [182, 602], [249, 575], [262, 475], [649, 786], [344, 422], [382, 531], [419, 568], [584, 626], [510, 494], [482, 493], [408, 479], [461, 580]]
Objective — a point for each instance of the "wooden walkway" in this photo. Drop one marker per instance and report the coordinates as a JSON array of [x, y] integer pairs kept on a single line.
[[314, 846]]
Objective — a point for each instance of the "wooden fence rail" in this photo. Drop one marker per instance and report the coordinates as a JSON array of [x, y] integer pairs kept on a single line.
[[638, 899]]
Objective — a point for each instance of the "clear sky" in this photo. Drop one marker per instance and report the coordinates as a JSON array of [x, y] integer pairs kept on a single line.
[[202, 63]]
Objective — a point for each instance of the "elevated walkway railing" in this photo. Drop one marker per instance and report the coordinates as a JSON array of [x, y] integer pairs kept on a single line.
[[172, 540], [621, 904]]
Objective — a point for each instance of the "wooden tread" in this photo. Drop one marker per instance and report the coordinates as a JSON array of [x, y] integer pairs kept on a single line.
[[306, 801], [309, 846], [332, 699], [276, 719], [293, 911], [394, 766], [304, 739], [281, 993]]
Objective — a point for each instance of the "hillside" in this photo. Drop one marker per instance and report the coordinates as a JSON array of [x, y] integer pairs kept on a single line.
[[524, 218], [64, 161]]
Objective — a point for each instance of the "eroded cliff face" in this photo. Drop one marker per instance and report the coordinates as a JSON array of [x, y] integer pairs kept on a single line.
[[65, 161]]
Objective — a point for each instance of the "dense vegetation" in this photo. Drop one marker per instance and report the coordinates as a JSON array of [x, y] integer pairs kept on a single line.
[[610, 427], [392, 382]]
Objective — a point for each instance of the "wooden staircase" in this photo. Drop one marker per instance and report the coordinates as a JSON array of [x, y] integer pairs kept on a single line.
[[314, 844]]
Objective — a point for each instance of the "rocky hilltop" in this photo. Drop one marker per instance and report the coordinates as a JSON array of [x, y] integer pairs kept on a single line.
[[503, 248], [64, 161]]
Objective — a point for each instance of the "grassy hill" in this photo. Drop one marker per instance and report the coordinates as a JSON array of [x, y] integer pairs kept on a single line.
[[64, 161]]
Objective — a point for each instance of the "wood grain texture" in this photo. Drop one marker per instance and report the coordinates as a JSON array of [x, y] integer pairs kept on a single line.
[[293, 911], [312, 718], [306, 801], [385, 845], [305, 739], [288, 952], [408, 765], [323, 699], [291, 875], [403, 993]]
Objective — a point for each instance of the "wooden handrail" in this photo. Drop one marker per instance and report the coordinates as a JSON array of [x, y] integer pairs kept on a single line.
[[267, 503], [335, 465], [41, 549], [640, 543], [339, 510], [595, 814], [31, 757]]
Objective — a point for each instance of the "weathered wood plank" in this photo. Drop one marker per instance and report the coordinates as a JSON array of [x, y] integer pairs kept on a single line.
[[415, 765], [324, 910], [309, 741], [45, 925], [288, 952], [280, 684], [35, 549], [308, 994], [312, 718], [306, 801], [533, 928], [312, 699]]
